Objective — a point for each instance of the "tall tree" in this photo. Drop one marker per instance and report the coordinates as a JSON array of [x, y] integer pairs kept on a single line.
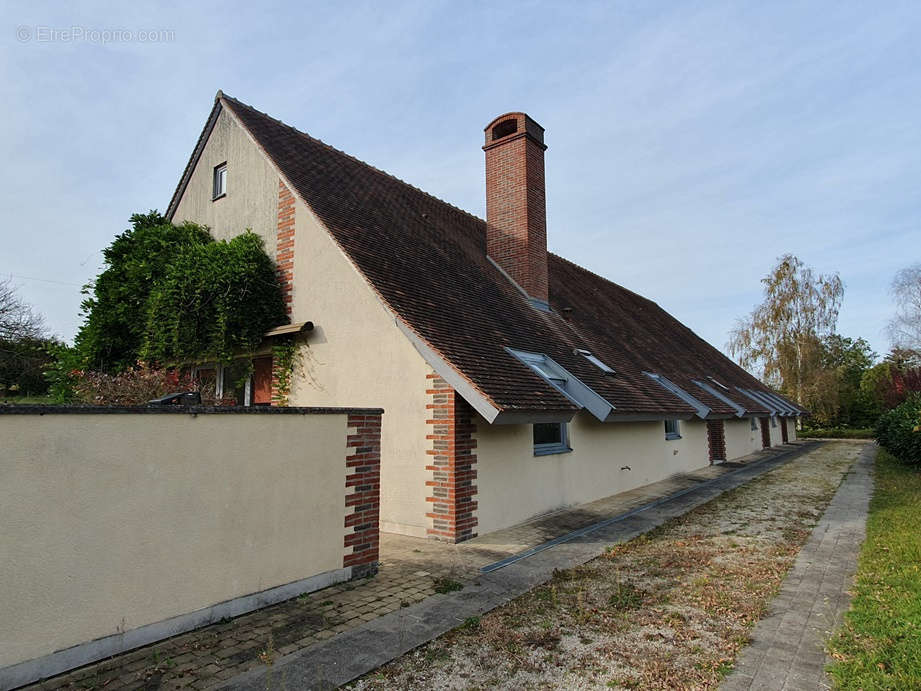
[[905, 326], [17, 319], [784, 335], [116, 312]]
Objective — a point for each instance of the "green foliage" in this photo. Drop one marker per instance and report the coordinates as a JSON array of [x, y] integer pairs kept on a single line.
[[22, 366], [63, 372], [878, 646], [899, 430], [215, 299], [115, 314], [285, 357]]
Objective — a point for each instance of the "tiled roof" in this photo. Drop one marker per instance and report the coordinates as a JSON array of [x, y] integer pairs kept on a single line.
[[427, 260]]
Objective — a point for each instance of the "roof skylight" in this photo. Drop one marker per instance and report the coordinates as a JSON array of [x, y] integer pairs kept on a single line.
[[587, 354]]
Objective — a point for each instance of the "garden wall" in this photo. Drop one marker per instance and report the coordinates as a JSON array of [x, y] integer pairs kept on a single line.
[[125, 526]]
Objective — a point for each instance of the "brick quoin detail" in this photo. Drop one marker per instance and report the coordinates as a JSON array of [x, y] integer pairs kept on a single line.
[[765, 433], [362, 494], [516, 215], [284, 247], [716, 440], [784, 435], [452, 490]]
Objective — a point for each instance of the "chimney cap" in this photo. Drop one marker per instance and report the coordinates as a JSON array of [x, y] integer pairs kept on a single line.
[[512, 126]]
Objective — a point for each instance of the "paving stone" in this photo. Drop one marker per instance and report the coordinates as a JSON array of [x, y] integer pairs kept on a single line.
[[813, 597]]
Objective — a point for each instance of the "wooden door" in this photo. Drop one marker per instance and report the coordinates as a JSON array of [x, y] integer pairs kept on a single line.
[[765, 433], [262, 381]]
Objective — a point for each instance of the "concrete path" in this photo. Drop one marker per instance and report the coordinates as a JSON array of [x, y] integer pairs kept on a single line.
[[788, 646], [366, 647]]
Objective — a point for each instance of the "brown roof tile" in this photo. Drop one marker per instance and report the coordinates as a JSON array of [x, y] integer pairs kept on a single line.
[[427, 260]]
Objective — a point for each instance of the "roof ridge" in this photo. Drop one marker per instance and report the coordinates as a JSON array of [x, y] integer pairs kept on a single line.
[[222, 95]]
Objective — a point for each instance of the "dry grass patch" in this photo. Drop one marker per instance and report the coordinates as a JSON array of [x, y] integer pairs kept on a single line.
[[670, 609]]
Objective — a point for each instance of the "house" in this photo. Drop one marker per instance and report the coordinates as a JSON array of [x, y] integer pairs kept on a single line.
[[514, 381]]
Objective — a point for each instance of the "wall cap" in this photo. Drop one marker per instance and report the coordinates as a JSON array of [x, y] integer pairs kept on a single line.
[[38, 409]]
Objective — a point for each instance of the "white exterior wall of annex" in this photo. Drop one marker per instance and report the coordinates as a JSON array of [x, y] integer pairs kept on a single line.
[[514, 484], [741, 439], [776, 433]]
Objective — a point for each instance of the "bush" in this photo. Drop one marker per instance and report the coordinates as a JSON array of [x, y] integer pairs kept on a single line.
[[137, 386], [899, 430]]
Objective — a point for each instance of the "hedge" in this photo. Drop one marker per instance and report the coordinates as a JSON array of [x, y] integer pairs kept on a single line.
[[899, 430]]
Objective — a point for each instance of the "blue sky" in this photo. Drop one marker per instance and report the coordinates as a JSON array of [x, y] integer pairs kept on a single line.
[[690, 144]]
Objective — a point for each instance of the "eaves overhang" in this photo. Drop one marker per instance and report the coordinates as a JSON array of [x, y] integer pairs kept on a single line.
[[789, 410]]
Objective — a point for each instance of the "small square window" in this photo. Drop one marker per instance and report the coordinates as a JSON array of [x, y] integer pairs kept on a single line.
[[672, 429], [220, 181], [550, 438]]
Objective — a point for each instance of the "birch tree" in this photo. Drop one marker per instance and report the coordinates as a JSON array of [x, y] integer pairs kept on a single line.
[[905, 326], [784, 336]]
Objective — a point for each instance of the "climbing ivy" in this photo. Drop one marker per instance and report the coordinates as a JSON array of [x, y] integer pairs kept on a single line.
[[285, 358], [215, 300]]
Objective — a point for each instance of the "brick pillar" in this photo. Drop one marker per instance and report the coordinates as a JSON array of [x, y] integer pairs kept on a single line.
[[284, 247], [765, 433], [784, 435], [362, 494], [452, 489], [716, 440]]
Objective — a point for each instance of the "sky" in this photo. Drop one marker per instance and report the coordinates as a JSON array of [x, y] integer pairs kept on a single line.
[[690, 143]]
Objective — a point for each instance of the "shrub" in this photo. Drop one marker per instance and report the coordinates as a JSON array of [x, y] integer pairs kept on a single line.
[[899, 430], [137, 386]]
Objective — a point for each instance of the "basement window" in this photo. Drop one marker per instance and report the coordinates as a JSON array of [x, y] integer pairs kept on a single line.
[[550, 438], [219, 188], [504, 128], [672, 429], [595, 361]]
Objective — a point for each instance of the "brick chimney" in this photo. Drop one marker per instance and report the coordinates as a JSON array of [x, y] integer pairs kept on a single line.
[[516, 215]]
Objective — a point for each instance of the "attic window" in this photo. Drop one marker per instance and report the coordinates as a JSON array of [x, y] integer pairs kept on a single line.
[[219, 189], [722, 386], [504, 128], [595, 361]]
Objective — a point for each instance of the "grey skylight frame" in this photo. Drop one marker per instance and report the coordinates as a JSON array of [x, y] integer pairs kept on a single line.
[[588, 355], [753, 395], [564, 381], [702, 410], [740, 410], [788, 409]]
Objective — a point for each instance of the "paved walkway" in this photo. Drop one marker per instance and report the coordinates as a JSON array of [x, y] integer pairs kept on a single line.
[[413, 571], [788, 646]]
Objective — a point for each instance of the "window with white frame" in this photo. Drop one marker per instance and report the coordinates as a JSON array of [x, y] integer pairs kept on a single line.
[[550, 438], [754, 424], [773, 421], [672, 429], [220, 181]]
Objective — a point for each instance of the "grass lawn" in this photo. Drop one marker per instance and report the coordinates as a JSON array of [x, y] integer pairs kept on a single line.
[[879, 646], [836, 433]]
